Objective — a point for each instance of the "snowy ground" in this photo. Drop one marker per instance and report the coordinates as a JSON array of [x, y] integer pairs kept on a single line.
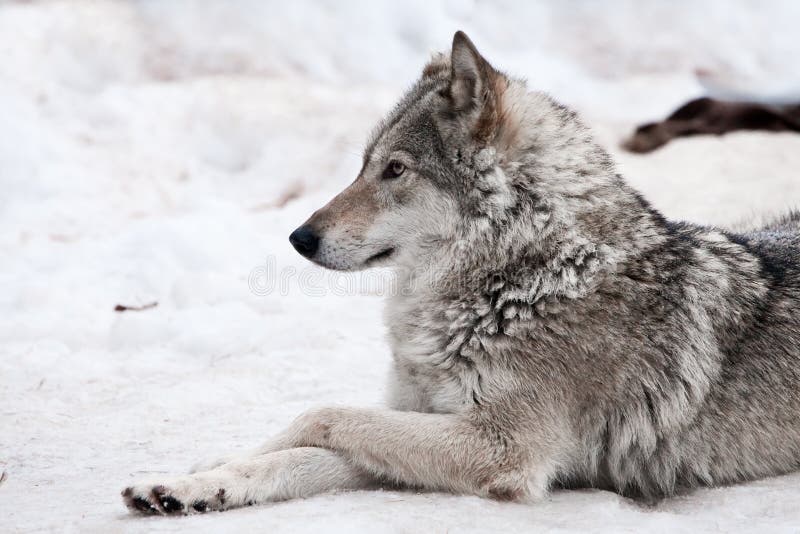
[[163, 151]]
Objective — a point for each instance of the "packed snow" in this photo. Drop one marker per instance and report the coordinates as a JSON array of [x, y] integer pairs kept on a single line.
[[161, 152]]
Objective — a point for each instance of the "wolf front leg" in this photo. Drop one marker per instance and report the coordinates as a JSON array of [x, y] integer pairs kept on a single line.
[[349, 449], [276, 476], [444, 452]]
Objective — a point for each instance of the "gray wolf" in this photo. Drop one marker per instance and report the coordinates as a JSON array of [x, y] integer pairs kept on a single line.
[[551, 328]]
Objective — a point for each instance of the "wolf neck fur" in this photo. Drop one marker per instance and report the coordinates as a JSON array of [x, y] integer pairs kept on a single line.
[[550, 198]]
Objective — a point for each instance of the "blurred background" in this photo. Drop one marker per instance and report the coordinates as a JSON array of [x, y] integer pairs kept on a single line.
[[161, 151]]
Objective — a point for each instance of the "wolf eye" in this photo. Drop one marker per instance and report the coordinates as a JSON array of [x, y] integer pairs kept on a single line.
[[394, 170]]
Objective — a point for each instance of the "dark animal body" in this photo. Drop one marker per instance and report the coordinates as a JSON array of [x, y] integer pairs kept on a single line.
[[708, 116]]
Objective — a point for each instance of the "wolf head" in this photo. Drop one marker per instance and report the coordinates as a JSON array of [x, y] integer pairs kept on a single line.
[[469, 163]]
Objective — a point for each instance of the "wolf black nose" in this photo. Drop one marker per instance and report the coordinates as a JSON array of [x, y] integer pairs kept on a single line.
[[305, 241]]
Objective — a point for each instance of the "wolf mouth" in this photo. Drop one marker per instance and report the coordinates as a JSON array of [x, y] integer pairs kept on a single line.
[[380, 256]]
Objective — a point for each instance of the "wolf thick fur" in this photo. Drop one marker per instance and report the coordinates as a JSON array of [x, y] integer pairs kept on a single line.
[[550, 329]]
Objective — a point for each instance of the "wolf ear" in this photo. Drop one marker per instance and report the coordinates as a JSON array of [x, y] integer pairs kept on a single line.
[[469, 73]]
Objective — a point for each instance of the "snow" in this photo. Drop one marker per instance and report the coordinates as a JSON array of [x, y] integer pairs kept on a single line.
[[162, 152]]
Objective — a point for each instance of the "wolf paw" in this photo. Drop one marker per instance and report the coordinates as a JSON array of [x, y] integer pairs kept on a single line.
[[186, 495]]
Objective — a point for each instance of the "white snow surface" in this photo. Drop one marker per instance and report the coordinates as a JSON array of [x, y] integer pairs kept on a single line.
[[162, 151]]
